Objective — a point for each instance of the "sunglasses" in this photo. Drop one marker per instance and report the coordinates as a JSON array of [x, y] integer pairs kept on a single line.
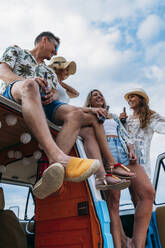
[[57, 47]]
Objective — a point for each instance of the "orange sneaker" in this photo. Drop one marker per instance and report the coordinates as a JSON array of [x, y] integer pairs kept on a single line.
[[78, 169]]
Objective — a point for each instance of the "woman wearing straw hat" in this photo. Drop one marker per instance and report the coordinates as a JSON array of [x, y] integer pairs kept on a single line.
[[64, 69], [141, 126]]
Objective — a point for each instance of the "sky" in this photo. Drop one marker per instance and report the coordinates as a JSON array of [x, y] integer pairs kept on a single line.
[[117, 45]]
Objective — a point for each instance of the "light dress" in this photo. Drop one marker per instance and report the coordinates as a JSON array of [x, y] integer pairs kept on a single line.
[[142, 137]]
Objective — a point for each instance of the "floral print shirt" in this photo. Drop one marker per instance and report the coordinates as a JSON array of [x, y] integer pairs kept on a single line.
[[142, 137], [24, 64]]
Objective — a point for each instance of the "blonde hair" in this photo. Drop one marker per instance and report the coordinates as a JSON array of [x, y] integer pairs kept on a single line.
[[88, 104], [88, 99]]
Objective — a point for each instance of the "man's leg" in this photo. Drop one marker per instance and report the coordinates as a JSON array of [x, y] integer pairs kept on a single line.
[[27, 93], [73, 119], [70, 118]]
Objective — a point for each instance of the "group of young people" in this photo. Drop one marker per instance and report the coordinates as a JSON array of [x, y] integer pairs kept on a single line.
[[118, 155]]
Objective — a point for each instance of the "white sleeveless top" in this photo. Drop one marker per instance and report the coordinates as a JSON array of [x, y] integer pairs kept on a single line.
[[63, 96], [110, 127]]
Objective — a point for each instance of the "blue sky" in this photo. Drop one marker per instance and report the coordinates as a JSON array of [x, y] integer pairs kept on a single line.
[[117, 45]]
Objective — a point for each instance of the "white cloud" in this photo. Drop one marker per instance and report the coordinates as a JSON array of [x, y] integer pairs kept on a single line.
[[155, 53], [155, 73], [149, 28]]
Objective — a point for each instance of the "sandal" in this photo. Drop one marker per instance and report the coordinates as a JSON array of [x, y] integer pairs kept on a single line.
[[100, 186], [121, 184], [111, 169]]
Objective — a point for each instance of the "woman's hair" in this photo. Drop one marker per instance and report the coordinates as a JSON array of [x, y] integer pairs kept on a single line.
[[144, 112], [88, 99]]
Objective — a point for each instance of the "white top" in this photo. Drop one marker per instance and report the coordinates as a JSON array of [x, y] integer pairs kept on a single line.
[[110, 127], [63, 96], [142, 137]]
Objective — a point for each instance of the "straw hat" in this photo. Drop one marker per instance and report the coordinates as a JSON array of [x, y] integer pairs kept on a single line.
[[139, 92], [59, 63]]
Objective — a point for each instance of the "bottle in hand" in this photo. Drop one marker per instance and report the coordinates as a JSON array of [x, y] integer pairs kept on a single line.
[[123, 120], [101, 118]]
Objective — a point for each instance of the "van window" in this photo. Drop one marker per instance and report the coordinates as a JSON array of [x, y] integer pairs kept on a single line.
[[19, 199]]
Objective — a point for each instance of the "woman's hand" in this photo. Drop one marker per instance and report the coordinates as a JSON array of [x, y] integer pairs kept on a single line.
[[123, 115], [132, 157], [99, 111]]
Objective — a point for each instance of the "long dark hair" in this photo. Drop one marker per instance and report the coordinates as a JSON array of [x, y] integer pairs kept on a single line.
[[144, 112]]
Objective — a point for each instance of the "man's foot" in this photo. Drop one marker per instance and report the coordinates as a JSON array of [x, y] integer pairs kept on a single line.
[[51, 180], [121, 171], [78, 169]]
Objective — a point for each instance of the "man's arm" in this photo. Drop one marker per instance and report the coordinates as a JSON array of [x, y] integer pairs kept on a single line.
[[7, 75]]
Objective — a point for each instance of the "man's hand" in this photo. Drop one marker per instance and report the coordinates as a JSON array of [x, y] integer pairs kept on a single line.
[[50, 96], [43, 83]]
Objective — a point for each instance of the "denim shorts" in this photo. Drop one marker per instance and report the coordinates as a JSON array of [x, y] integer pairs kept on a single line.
[[117, 150], [50, 109]]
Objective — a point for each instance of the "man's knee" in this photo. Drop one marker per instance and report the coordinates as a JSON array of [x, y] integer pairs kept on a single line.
[[74, 113], [31, 86], [151, 194]]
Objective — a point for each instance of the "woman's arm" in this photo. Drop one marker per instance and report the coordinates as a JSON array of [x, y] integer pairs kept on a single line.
[[70, 91], [157, 123]]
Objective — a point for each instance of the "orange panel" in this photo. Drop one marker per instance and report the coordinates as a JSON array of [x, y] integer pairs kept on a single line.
[[58, 224], [67, 232]]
